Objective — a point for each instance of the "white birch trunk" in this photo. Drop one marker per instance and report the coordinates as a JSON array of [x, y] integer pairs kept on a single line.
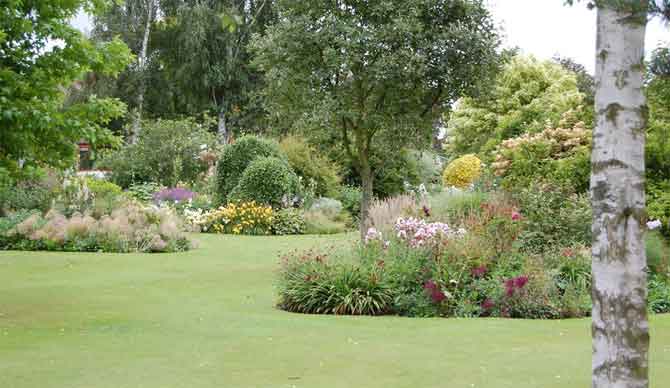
[[620, 328], [141, 64]]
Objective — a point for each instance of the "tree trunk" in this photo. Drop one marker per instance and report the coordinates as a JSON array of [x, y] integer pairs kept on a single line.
[[222, 129], [142, 62], [367, 181], [619, 328]]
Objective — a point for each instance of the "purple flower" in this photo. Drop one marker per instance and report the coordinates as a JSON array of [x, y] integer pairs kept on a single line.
[[175, 194]]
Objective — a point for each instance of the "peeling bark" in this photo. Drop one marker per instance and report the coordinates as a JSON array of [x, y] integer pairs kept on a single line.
[[619, 329]]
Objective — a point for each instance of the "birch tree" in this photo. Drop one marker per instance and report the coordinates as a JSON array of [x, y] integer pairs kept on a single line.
[[150, 8], [619, 317]]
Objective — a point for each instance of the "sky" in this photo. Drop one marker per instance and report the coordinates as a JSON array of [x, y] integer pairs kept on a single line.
[[543, 28]]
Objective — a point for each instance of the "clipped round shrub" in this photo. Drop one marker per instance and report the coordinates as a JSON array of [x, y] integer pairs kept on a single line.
[[236, 157], [269, 181], [462, 172]]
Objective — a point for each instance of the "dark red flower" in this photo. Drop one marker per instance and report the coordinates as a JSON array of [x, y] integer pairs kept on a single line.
[[521, 281], [488, 304], [434, 291], [480, 271], [426, 211]]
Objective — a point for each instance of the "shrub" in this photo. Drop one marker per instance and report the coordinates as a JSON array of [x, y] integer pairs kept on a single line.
[[288, 221], [658, 204], [318, 222], [240, 218], [93, 196], [328, 206], [351, 196], [659, 294], [269, 181], [167, 152], [559, 156], [143, 191], [173, 195], [310, 284], [128, 229], [35, 192], [236, 157], [462, 172], [658, 253], [554, 217], [311, 166]]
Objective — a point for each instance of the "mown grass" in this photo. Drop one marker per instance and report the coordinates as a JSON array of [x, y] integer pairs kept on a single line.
[[206, 318]]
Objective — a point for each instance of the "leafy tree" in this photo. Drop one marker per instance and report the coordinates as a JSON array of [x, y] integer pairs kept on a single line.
[[203, 46], [657, 151], [41, 55], [374, 72], [527, 95], [585, 82]]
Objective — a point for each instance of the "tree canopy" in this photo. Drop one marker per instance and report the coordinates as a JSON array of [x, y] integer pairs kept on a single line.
[[41, 55], [373, 72], [527, 96]]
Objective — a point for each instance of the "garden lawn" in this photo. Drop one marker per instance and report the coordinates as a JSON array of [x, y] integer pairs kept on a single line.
[[206, 318]]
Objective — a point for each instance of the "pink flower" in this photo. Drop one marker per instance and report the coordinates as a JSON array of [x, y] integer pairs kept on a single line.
[[516, 216]]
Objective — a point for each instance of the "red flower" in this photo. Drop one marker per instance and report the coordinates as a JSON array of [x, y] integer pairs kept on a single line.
[[488, 304], [480, 271], [521, 281], [434, 291]]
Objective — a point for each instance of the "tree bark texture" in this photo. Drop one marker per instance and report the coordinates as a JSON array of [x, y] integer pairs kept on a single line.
[[141, 65], [620, 330]]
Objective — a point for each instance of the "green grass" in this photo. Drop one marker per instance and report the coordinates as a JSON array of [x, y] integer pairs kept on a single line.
[[206, 318]]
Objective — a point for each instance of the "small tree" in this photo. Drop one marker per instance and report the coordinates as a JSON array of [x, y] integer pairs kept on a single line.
[[373, 73]]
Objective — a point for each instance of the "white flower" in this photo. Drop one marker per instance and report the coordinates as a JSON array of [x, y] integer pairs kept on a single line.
[[655, 224]]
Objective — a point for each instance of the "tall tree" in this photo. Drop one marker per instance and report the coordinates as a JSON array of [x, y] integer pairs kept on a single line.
[[204, 46], [620, 327], [41, 55], [374, 73], [132, 21]]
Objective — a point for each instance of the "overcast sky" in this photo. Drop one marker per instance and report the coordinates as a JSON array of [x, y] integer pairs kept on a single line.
[[543, 28]]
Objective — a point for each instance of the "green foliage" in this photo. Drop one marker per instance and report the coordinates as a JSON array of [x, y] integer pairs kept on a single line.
[[455, 206], [321, 221], [559, 156], [658, 253], [35, 125], [526, 96], [659, 294], [553, 217], [90, 196], [35, 191], [267, 180], [658, 204], [309, 284], [167, 152], [236, 157], [350, 196], [144, 191], [311, 166], [288, 221], [373, 76]]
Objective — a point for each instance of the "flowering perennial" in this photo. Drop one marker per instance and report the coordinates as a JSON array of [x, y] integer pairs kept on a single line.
[[240, 218], [418, 232]]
